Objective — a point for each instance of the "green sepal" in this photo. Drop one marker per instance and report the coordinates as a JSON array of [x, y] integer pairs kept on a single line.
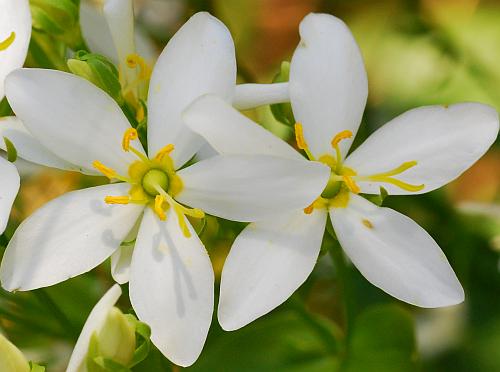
[[378, 199], [99, 71], [143, 342], [11, 150], [283, 111], [36, 368]]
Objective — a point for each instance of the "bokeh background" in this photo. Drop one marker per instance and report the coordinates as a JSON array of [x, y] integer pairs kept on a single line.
[[416, 53]]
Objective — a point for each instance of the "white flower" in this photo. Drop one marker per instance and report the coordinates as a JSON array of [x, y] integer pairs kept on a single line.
[[171, 277], [118, 344], [15, 32], [11, 358], [417, 152]]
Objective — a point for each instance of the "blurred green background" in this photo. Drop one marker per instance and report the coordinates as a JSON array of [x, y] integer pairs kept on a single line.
[[416, 53]]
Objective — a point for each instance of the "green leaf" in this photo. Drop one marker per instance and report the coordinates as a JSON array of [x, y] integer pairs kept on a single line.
[[382, 339], [143, 333], [378, 199], [283, 111], [11, 150]]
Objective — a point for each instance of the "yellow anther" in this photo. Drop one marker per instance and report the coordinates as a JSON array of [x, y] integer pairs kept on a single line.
[[351, 184], [140, 114], [345, 134], [117, 199], [301, 141], [135, 60], [7, 42], [367, 223], [309, 210], [108, 172], [159, 200], [164, 151], [130, 135]]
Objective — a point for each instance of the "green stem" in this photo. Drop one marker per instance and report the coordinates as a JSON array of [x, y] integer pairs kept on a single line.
[[342, 272], [329, 333]]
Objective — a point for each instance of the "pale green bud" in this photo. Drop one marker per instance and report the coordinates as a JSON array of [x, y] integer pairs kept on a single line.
[[11, 358], [116, 339]]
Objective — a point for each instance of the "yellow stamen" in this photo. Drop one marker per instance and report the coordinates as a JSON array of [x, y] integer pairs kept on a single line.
[[301, 141], [351, 184], [309, 210], [403, 167], [159, 200], [108, 172], [398, 183], [117, 199], [335, 144], [164, 151], [130, 135], [7, 42], [367, 223], [140, 114], [345, 134], [386, 177]]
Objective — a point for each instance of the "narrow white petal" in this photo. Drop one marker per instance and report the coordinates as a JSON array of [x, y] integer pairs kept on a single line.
[[231, 132], [80, 127], [268, 261], [9, 186], [445, 141], [328, 83], [250, 188], [15, 17], [395, 254], [172, 287], [96, 31], [27, 146], [67, 237], [119, 15], [248, 96], [199, 59], [95, 322]]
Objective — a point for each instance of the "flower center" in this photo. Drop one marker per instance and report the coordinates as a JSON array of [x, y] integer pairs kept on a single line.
[[343, 179], [8, 41], [153, 182], [155, 178]]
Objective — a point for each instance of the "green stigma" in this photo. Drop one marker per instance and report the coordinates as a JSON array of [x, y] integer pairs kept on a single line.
[[153, 179]]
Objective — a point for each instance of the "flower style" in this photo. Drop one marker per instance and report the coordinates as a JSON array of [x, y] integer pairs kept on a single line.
[[417, 152], [171, 277], [15, 32]]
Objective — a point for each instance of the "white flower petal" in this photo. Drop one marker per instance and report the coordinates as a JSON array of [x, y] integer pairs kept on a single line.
[[15, 17], [172, 287], [199, 59], [68, 236], [9, 186], [121, 260], [119, 15], [248, 96], [96, 32], [268, 261], [445, 141], [27, 146], [395, 254], [80, 127], [231, 132], [250, 188], [95, 322], [328, 83]]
